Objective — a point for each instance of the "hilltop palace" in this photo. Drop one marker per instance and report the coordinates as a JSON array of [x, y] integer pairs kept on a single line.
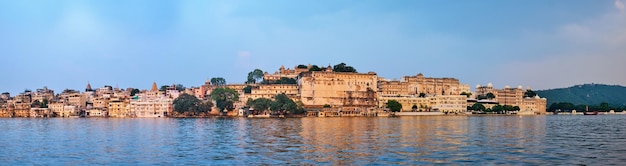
[[321, 93]]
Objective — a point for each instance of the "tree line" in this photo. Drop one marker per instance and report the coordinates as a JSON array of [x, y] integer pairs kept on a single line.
[[567, 106]]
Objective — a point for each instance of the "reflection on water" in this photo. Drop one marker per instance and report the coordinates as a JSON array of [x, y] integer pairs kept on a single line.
[[328, 141]]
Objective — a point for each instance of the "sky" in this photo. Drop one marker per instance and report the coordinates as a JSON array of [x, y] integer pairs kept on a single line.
[[132, 43]]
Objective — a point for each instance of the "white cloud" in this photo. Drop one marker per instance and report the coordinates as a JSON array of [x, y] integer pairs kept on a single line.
[[589, 51], [619, 5]]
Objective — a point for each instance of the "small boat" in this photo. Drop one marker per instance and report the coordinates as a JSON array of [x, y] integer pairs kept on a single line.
[[589, 113]]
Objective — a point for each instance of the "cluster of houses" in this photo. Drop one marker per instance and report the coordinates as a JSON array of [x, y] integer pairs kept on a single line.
[[320, 92]]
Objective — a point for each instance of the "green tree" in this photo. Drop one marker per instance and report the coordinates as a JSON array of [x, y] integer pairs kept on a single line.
[[564, 106], [604, 107], [530, 93], [301, 66], [490, 96], [497, 108], [189, 104], [394, 106], [315, 68], [478, 107], [218, 81], [134, 91], [282, 103], [516, 108], [225, 98], [342, 67], [255, 76], [250, 102], [468, 94], [247, 89], [285, 80], [164, 88], [261, 104], [422, 95], [35, 104], [327, 106], [180, 87], [44, 104]]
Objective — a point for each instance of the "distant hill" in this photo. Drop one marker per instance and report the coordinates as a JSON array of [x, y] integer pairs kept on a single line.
[[587, 94]]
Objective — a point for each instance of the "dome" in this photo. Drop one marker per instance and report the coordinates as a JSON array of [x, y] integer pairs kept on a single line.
[[477, 85], [519, 87], [490, 85], [507, 87]]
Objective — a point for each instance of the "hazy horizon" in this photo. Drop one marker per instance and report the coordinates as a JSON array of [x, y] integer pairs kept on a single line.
[[541, 44]]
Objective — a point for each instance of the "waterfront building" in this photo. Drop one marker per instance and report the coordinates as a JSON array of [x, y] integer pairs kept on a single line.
[[319, 88], [56, 108], [514, 97], [269, 91], [40, 112], [451, 103], [96, 112], [18, 109], [423, 104], [151, 104], [119, 107], [535, 104], [70, 110], [100, 102], [441, 103]]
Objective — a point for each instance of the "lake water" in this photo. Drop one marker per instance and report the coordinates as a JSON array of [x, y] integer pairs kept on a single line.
[[510, 140]]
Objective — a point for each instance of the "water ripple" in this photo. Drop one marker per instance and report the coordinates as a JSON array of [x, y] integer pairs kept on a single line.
[[507, 140]]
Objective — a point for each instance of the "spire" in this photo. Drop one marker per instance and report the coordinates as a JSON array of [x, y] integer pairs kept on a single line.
[[154, 87], [88, 88]]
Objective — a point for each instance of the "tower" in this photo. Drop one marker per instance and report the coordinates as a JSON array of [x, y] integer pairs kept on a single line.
[[154, 87], [88, 88]]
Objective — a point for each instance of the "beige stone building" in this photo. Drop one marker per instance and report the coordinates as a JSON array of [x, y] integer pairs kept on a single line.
[[424, 104], [40, 112], [288, 73], [506, 96], [119, 108], [441, 103], [393, 88], [100, 102], [96, 112], [514, 97], [319, 88], [434, 86], [145, 105], [535, 104], [43, 94], [271, 90], [57, 108]]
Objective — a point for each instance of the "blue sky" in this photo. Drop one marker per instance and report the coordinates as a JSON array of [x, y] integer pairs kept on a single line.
[[131, 43]]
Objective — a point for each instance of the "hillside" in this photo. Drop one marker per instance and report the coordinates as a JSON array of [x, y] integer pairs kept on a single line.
[[587, 94]]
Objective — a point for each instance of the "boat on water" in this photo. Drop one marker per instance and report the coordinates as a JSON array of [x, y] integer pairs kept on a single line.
[[589, 113]]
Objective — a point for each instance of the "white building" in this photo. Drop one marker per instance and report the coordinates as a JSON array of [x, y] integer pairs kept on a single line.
[[150, 105]]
